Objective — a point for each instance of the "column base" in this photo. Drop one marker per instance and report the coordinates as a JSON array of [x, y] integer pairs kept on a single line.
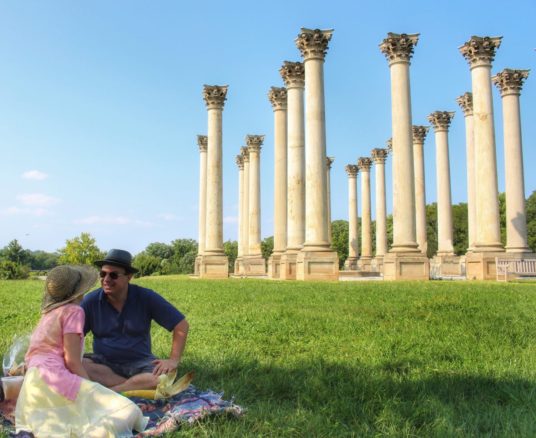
[[274, 266], [214, 266], [377, 264], [287, 266], [446, 265], [365, 264], [197, 265], [350, 264], [254, 266], [314, 264], [480, 265], [239, 266], [406, 266]]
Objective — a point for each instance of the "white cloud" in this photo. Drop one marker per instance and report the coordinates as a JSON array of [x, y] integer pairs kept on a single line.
[[39, 212], [168, 216], [35, 174], [111, 220], [37, 199]]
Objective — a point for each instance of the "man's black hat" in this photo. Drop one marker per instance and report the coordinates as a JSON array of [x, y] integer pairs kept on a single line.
[[118, 257]]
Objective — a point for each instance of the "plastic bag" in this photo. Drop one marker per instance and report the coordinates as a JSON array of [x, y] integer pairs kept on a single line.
[[13, 363]]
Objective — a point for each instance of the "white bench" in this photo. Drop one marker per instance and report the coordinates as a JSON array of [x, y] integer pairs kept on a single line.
[[519, 268]]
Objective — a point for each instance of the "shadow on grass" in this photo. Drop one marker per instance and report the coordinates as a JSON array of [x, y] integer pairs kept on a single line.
[[398, 398]]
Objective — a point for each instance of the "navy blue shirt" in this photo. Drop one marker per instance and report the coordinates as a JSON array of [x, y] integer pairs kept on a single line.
[[125, 336]]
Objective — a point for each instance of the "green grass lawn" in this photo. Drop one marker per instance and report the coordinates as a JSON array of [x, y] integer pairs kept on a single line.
[[393, 359]]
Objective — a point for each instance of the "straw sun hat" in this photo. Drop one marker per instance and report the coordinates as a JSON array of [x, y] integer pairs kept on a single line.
[[66, 283]]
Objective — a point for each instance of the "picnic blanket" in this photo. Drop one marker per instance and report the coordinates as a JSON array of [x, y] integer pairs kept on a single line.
[[165, 415]]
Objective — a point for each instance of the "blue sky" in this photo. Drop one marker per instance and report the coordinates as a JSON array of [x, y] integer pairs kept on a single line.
[[101, 103]]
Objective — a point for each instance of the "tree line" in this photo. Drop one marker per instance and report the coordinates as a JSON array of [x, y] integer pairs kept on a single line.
[[178, 257]]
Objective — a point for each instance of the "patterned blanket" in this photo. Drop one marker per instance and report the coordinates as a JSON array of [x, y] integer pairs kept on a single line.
[[165, 416]]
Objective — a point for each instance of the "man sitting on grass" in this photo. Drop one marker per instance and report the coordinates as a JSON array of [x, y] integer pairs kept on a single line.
[[119, 315]]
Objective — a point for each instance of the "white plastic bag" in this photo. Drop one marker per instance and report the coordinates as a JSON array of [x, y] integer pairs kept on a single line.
[[13, 363]]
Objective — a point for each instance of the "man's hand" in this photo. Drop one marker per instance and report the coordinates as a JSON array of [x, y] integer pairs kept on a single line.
[[164, 366]]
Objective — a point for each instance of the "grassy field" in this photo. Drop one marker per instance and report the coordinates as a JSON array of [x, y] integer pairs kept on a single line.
[[397, 359]]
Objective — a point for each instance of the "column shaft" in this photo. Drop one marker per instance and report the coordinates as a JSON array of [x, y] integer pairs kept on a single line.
[[202, 142], [254, 203], [245, 204], [214, 217], [404, 231], [316, 229], [444, 201], [419, 134], [240, 163], [488, 234], [381, 210], [353, 224]]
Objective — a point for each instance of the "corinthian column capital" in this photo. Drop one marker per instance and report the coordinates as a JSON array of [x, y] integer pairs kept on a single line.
[[441, 120], [313, 43], [254, 142], [510, 81], [419, 133], [379, 155], [351, 170], [245, 154], [466, 103], [202, 142], [278, 98], [329, 162], [240, 161], [293, 74], [364, 164], [399, 47], [215, 95], [480, 51]]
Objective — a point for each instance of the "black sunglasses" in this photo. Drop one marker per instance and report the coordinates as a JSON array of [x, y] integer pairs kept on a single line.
[[113, 275]]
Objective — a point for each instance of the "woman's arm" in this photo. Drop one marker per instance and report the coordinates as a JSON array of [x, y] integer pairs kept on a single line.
[[72, 351]]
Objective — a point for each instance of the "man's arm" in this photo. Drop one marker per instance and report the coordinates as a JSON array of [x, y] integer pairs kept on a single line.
[[180, 333]]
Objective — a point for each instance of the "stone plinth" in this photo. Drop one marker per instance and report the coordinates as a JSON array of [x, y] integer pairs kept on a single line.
[[213, 266], [287, 265], [317, 265], [406, 266], [481, 265], [253, 266], [447, 266]]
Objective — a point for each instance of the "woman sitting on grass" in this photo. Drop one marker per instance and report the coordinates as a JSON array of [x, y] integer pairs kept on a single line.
[[57, 398]]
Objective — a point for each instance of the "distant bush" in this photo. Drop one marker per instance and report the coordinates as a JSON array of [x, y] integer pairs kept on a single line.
[[13, 271]]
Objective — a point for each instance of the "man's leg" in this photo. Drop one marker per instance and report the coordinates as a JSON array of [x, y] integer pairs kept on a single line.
[[138, 381], [102, 374]]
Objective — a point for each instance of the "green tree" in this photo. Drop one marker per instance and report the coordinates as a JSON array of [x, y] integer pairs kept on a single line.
[[267, 247], [431, 229], [81, 250], [184, 254], [42, 260], [15, 253], [531, 220], [339, 239], [147, 264], [502, 216], [160, 250], [460, 228], [230, 248], [13, 271]]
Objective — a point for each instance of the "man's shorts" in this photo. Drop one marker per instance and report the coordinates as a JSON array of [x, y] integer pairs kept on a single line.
[[126, 370]]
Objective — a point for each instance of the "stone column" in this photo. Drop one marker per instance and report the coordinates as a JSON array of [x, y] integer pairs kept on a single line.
[[316, 261], [365, 260], [329, 162], [404, 260], [240, 164], [278, 99], [350, 263], [445, 262], [254, 262], [243, 242], [293, 75], [379, 156], [480, 263], [214, 262], [202, 142], [509, 82], [419, 135], [466, 104]]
